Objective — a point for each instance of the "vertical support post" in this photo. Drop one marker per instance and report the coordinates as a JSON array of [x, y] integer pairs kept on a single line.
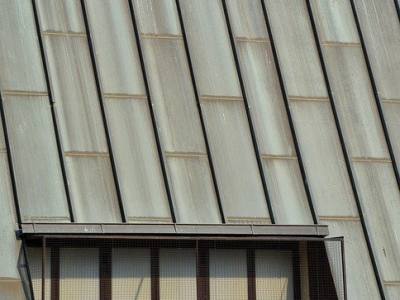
[[105, 264], [44, 268], [155, 273], [343, 268], [251, 274], [55, 273], [202, 260]]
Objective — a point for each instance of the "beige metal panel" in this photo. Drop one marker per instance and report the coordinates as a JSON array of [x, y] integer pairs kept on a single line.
[[381, 30], [9, 246], [11, 290], [274, 275], [265, 98], [74, 92], [392, 118], [235, 163], [79, 274], [380, 198], [115, 46], [34, 257], [247, 19], [393, 291], [60, 15], [178, 274], [92, 189], [36, 163], [157, 17], [296, 48], [131, 274], [323, 158], [137, 162], [286, 190], [19, 49], [210, 48], [355, 103], [173, 96], [334, 21], [361, 282], [193, 190], [228, 274]]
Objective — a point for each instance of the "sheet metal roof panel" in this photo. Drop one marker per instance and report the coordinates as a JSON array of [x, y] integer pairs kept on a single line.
[[380, 199], [157, 17], [247, 19], [39, 182], [323, 158], [210, 48], [115, 47], [92, 189], [20, 63], [137, 161], [360, 276], [173, 96], [9, 247], [74, 91], [286, 190], [265, 99], [193, 190], [335, 21], [297, 52], [355, 103], [380, 27], [240, 185], [60, 15]]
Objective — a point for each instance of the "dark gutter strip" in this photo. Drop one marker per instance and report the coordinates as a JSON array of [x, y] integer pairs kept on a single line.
[[203, 127], [10, 163], [248, 114], [155, 273], [345, 154], [376, 95], [55, 273], [53, 113], [153, 119], [105, 271], [291, 124], [251, 274], [103, 114]]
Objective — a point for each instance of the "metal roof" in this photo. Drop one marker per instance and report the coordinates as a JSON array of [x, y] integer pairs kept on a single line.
[[205, 112]]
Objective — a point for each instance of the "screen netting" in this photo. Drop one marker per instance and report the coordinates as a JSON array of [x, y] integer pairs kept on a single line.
[[172, 269]]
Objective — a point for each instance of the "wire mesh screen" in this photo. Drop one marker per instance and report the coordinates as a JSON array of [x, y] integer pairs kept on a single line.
[[94, 268]]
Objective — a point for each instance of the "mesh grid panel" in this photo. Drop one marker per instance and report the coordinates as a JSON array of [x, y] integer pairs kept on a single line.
[[94, 268]]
